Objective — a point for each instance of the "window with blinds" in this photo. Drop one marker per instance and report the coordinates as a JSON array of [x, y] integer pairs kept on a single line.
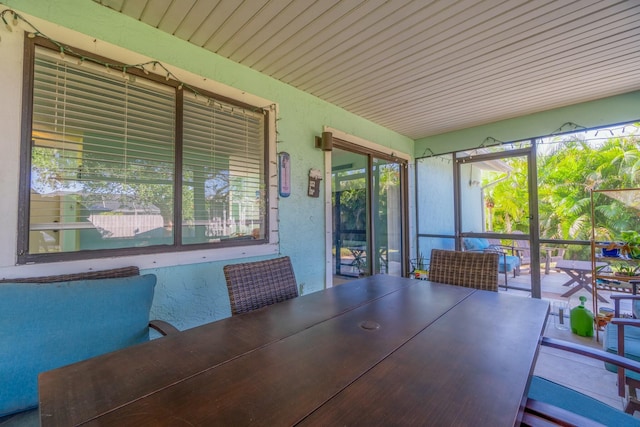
[[103, 172], [223, 169]]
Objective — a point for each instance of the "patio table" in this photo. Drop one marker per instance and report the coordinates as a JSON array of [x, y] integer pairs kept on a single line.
[[378, 350], [579, 272], [359, 254]]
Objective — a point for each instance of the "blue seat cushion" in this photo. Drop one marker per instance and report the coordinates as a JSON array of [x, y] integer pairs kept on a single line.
[[631, 346], [475, 243], [563, 397], [47, 325], [508, 261]]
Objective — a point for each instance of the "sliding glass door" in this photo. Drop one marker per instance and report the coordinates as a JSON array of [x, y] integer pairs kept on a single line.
[[368, 215]]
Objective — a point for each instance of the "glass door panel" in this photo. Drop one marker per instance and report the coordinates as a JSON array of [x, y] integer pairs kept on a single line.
[[350, 213], [495, 215], [387, 208]]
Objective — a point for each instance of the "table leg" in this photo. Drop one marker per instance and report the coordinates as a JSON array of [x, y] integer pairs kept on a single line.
[[582, 282], [573, 278], [573, 290]]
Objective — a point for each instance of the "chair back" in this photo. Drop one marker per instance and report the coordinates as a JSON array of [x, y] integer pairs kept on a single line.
[[254, 285], [478, 270]]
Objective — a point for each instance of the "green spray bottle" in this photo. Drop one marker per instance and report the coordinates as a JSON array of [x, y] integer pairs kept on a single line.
[[581, 320]]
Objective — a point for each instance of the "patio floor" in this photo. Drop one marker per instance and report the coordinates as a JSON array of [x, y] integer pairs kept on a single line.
[[578, 372]]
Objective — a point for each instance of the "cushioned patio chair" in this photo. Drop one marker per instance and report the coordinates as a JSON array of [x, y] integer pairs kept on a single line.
[[507, 263], [48, 322], [254, 285], [477, 270], [548, 255], [550, 404]]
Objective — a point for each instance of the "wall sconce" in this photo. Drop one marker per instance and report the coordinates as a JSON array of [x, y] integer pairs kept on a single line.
[[325, 143]]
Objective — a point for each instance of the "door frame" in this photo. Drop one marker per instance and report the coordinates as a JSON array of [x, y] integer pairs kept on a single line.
[[534, 226], [345, 141]]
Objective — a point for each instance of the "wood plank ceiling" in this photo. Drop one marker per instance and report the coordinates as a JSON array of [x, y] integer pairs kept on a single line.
[[415, 66]]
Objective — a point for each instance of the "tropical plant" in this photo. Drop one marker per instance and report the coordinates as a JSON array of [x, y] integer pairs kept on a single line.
[[568, 169]]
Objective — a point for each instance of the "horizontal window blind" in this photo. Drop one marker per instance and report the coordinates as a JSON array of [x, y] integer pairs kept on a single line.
[[102, 169], [223, 171]]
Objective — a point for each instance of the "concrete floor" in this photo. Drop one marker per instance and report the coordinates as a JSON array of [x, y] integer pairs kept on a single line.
[[577, 372], [574, 371]]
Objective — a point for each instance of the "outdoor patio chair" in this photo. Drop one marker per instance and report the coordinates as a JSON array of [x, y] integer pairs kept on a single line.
[[477, 270], [548, 255], [48, 322], [507, 263], [254, 285], [622, 337], [549, 403]]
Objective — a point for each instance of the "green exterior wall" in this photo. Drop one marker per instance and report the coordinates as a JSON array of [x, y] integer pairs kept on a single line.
[[188, 295]]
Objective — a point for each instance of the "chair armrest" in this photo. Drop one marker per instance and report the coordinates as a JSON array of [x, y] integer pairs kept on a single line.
[[504, 248], [593, 353], [164, 328], [625, 321], [541, 414], [618, 297], [625, 296]]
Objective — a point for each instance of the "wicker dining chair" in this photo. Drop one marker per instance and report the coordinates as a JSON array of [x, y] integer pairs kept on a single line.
[[253, 285], [478, 270]]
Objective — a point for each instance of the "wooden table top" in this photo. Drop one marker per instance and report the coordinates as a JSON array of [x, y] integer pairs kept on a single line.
[[379, 350], [579, 266]]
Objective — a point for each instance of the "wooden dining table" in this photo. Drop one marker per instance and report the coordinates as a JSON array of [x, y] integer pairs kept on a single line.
[[380, 350]]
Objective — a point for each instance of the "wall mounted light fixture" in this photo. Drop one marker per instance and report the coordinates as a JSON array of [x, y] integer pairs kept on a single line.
[[325, 143]]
